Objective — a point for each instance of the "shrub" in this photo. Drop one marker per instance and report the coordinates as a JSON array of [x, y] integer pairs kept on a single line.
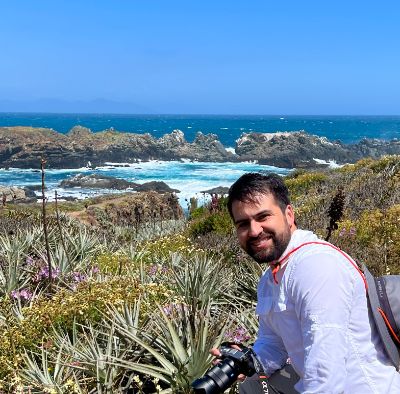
[[85, 304], [302, 183], [219, 222], [163, 247]]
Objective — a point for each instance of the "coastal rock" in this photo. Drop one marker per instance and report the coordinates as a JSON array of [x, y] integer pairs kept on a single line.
[[375, 148], [204, 148], [23, 147], [96, 181], [209, 147], [299, 149], [11, 194], [288, 149], [174, 140], [219, 190], [159, 187]]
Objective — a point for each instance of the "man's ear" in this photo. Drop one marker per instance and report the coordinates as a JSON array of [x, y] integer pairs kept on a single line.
[[289, 213]]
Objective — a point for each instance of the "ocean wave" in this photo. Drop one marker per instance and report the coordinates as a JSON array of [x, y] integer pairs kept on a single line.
[[190, 178], [329, 163]]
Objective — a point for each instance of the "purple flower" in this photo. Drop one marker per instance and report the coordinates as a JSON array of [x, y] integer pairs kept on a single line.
[[44, 273], [173, 308], [78, 277], [95, 269], [238, 335], [26, 294], [164, 269], [167, 309], [23, 294], [153, 269], [228, 334], [352, 231], [342, 232], [29, 261]]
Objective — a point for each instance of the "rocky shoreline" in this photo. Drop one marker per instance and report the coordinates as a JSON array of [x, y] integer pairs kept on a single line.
[[23, 147]]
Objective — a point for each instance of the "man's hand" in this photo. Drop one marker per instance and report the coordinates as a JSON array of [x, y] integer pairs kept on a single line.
[[217, 354]]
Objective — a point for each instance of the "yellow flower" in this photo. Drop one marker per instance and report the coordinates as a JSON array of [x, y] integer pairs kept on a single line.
[[136, 379]]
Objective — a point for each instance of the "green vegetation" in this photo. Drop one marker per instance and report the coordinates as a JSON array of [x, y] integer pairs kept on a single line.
[[206, 220], [139, 306]]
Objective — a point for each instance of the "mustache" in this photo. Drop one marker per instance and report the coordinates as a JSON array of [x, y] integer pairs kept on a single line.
[[260, 237]]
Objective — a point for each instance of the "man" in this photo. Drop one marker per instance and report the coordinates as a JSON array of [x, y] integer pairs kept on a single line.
[[312, 303]]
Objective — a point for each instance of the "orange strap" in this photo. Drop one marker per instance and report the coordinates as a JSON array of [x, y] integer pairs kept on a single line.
[[388, 325], [275, 270], [278, 264]]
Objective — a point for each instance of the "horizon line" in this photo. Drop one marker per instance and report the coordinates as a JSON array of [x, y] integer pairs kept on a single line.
[[186, 114]]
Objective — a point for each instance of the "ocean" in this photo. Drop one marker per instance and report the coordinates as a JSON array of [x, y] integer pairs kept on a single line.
[[347, 129], [190, 178]]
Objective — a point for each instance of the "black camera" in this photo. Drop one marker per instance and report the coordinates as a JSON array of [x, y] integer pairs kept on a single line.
[[234, 362]]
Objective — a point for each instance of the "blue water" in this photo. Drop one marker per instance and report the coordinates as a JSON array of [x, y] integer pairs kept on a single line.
[[347, 129], [189, 178]]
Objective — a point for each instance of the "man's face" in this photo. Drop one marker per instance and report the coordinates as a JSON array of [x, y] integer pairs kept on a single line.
[[263, 230]]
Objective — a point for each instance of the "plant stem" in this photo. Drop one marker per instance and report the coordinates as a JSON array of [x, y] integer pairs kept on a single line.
[[46, 237], [60, 229]]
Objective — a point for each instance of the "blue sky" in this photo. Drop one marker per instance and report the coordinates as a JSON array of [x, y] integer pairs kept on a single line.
[[201, 57]]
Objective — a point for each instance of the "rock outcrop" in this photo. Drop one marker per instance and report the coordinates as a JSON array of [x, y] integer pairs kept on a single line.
[[23, 147], [96, 181], [299, 149], [12, 194]]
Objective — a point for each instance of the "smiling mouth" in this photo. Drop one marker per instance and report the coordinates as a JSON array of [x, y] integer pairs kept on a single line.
[[261, 242]]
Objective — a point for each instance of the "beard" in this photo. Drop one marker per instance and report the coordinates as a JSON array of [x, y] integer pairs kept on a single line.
[[270, 253]]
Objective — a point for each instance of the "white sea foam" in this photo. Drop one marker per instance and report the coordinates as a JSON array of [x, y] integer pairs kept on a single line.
[[190, 178], [330, 163], [112, 164]]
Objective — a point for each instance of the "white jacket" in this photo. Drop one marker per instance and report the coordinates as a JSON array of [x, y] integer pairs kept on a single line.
[[317, 315]]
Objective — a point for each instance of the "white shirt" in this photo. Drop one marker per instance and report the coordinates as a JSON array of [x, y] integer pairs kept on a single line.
[[317, 315]]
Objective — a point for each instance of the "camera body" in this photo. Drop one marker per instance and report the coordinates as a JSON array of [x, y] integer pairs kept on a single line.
[[234, 362]]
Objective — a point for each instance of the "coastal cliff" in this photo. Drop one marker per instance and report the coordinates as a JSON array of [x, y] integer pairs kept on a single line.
[[23, 147], [299, 149]]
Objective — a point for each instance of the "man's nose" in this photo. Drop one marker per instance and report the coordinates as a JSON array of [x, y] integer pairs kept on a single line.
[[255, 229]]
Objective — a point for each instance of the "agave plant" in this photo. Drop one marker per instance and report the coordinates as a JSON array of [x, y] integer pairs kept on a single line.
[[79, 360], [247, 274], [40, 375], [177, 343], [13, 251], [151, 230], [81, 245], [199, 279]]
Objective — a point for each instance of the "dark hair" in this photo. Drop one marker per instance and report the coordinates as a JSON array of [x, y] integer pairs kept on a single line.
[[249, 185]]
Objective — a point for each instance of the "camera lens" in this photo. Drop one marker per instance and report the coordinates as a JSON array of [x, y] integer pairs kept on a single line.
[[217, 379]]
